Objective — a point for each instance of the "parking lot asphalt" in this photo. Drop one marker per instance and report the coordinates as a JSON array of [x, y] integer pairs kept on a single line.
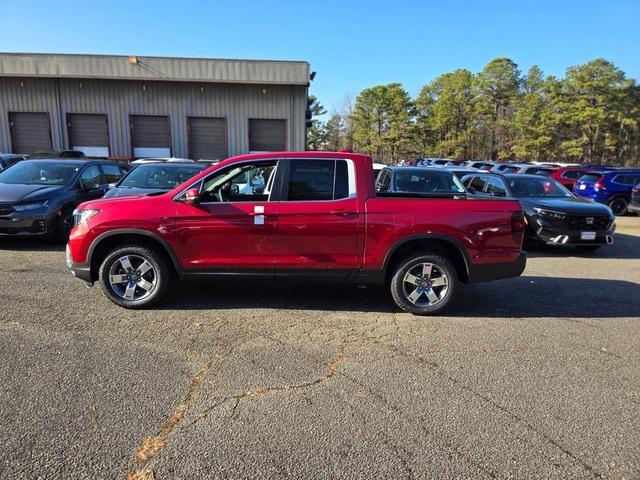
[[532, 377]]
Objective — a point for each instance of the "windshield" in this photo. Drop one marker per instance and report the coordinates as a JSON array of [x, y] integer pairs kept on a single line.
[[158, 176], [426, 181], [537, 188], [40, 173]]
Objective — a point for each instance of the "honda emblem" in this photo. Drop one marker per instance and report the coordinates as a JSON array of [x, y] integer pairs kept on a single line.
[[589, 220]]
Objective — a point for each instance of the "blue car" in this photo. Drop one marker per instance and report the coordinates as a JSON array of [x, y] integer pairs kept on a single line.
[[612, 188]]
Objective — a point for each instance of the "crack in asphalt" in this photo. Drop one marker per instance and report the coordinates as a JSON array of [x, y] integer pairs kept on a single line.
[[491, 473], [332, 370], [151, 446]]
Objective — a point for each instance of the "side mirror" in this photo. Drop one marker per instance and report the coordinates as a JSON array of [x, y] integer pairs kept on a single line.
[[235, 189], [191, 196], [87, 187]]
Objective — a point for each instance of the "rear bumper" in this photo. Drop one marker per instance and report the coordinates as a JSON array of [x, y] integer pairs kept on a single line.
[[497, 271]]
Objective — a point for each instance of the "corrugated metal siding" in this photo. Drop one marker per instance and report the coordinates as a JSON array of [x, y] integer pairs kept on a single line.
[[154, 68], [178, 100]]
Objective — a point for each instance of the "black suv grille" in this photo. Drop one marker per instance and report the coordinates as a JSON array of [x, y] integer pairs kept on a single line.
[[587, 222], [5, 209]]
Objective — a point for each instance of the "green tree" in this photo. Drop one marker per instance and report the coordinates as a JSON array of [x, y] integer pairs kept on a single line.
[[446, 116], [498, 88], [534, 125], [382, 122], [600, 113], [316, 132]]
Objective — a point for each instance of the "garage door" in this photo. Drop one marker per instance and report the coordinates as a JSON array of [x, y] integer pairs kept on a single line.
[[267, 135], [150, 136], [207, 138], [30, 132], [88, 133]]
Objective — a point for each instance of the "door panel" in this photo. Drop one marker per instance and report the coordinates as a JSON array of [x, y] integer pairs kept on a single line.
[[317, 235], [318, 222], [225, 236], [232, 229]]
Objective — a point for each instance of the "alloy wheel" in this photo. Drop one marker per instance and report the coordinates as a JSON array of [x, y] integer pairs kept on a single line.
[[425, 285], [619, 206], [132, 277]]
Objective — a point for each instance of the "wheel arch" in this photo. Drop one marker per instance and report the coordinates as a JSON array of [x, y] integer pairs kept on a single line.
[[107, 241], [429, 243]]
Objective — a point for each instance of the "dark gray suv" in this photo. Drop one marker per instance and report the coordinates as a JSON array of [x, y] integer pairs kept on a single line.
[[37, 197]]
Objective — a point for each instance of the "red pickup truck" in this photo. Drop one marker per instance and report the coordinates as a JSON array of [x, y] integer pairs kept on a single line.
[[311, 216]]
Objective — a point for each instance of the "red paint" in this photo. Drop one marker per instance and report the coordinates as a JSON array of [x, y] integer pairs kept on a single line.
[[568, 182], [348, 234]]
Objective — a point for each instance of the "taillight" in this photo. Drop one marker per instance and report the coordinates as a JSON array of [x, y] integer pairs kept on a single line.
[[517, 227], [598, 185], [634, 190]]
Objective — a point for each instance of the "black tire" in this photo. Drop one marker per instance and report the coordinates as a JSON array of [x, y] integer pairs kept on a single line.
[[400, 287], [64, 226], [588, 248], [618, 205], [159, 276]]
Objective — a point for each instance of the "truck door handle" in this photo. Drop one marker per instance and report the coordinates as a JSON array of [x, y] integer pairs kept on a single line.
[[340, 212]]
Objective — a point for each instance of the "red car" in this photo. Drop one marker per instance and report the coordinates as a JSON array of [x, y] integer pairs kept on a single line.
[[567, 176], [296, 216]]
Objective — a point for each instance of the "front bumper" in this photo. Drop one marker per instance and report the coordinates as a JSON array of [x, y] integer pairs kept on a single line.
[[78, 270], [568, 231], [27, 224], [571, 237]]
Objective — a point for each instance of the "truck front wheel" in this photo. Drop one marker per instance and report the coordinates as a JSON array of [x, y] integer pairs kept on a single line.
[[134, 277], [424, 284]]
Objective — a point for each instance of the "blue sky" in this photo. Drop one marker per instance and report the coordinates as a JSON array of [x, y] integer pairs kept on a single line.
[[352, 45]]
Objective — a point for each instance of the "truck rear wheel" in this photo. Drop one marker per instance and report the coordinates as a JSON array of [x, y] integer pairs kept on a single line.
[[424, 284], [134, 277]]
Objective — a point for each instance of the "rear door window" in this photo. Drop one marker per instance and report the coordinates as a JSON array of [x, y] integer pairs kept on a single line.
[[496, 187], [477, 183], [316, 180], [112, 173], [91, 176], [384, 181]]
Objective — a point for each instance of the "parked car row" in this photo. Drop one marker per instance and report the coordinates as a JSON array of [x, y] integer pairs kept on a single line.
[[553, 214], [296, 216], [38, 195], [606, 184]]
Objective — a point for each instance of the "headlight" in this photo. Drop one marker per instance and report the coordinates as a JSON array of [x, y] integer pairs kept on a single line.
[[82, 216], [549, 213], [29, 206]]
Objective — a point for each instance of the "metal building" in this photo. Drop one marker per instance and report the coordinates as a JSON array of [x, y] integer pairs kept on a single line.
[[119, 106]]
